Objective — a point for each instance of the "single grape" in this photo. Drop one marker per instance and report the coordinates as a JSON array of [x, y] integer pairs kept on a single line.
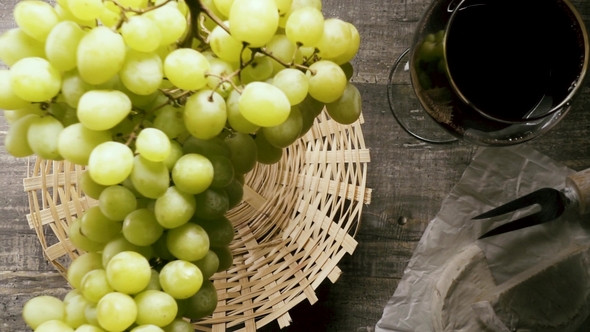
[[121, 244], [354, 46], [208, 264], [327, 81], [80, 241], [155, 307], [220, 230], [89, 328], [154, 283], [225, 256], [103, 109], [260, 69], [75, 142], [305, 26], [287, 132], [346, 109], [186, 68], [116, 311], [89, 187], [65, 14], [73, 87], [205, 114], [188, 242], [283, 6], [234, 192], [54, 326], [224, 6], [178, 325], [264, 104], [283, 49], [223, 171], [175, 154], [75, 310], [235, 118], [82, 265], [254, 22], [98, 227], [100, 55], [110, 163], [116, 202], [128, 272], [181, 279], [36, 18], [293, 83], [141, 34], [149, 178], [85, 9], [142, 73], [41, 309], [203, 303], [211, 204], [94, 285], [15, 142], [266, 153], [243, 152], [192, 173], [174, 208], [35, 79], [153, 144], [226, 46], [9, 100], [15, 45], [169, 120], [209, 147], [141, 228], [146, 328], [171, 23], [335, 39]]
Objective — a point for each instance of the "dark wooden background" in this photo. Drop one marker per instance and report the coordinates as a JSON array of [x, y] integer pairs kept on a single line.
[[409, 179]]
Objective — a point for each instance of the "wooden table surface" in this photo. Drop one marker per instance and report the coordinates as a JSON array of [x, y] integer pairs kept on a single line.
[[409, 179]]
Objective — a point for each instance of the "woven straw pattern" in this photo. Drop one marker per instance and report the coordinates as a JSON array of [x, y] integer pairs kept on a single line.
[[296, 222]]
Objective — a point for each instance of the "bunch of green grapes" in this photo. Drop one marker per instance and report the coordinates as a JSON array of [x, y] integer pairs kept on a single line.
[[167, 104]]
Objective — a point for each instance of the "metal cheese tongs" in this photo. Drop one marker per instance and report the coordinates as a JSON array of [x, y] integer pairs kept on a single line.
[[553, 203]]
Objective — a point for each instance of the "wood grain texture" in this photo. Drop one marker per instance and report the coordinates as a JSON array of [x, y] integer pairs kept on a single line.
[[409, 180]]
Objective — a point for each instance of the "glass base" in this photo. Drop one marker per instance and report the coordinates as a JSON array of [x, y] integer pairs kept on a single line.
[[406, 108]]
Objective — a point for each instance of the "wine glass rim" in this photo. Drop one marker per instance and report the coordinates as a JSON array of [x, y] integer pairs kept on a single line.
[[556, 109]]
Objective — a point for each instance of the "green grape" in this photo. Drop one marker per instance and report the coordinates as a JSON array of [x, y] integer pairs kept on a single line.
[[287, 132], [35, 79], [205, 114], [243, 152], [192, 173], [64, 113], [155, 307], [36, 18], [116, 311], [128, 272], [225, 256], [154, 283], [211, 204], [181, 279], [73, 87], [9, 100], [260, 69], [94, 285], [80, 241], [283, 49], [100, 55], [139, 101], [85, 9], [293, 83], [223, 171], [353, 47], [208, 264], [209, 147], [220, 68], [266, 153], [346, 109], [110, 163], [179, 325], [264, 105], [141, 34], [335, 39], [311, 106], [283, 6], [121, 244], [89, 328], [220, 230], [110, 15], [65, 14], [307, 119], [62, 44], [137, 4], [224, 6], [103, 109], [146, 328], [41, 309], [153, 144], [75, 310], [82, 265], [15, 45], [348, 70], [149, 178], [161, 251], [15, 142], [171, 23], [234, 192], [175, 154], [208, 22], [142, 73], [72, 293], [305, 26], [235, 118], [188, 242], [327, 81], [141, 228], [203, 303], [186, 68], [116, 202], [224, 45], [98, 227], [174, 208], [89, 187], [169, 120], [75, 143], [254, 22], [54, 326]]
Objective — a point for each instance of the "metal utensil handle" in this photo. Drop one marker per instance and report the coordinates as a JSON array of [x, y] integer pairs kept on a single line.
[[580, 184]]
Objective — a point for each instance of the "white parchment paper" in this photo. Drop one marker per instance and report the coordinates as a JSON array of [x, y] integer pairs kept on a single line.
[[495, 176]]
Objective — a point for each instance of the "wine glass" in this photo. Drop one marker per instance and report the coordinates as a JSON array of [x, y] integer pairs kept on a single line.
[[490, 72]]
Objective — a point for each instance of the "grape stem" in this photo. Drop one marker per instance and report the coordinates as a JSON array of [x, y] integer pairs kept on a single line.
[[291, 64], [123, 17]]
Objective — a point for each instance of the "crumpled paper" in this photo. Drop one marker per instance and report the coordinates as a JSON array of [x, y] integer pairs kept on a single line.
[[495, 176]]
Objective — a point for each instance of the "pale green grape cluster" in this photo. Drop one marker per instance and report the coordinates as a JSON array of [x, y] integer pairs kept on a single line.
[[167, 104]]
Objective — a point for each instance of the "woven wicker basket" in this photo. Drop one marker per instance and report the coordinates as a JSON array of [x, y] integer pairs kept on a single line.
[[296, 222]]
